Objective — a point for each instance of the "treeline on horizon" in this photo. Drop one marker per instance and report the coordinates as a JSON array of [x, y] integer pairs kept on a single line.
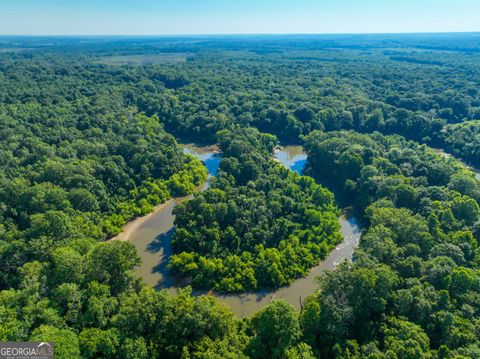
[[86, 146], [286, 86]]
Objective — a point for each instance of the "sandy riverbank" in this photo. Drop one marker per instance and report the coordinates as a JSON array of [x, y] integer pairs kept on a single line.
[[136, 223]]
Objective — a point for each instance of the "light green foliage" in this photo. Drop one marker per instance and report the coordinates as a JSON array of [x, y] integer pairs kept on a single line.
[[405, 340], [66, 341], [95, 343], [181, 324]]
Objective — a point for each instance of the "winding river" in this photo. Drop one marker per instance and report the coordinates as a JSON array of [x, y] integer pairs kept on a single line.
[[152, 235]]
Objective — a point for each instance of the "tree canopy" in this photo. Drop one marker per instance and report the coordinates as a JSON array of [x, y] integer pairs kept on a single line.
[[88, 141], [259, 225]]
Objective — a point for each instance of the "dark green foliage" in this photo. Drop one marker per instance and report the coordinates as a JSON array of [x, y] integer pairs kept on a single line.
[[276, 333]]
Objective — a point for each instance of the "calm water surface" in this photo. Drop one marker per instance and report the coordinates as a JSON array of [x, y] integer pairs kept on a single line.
[[153, 238], [209, 155], [292, 157]]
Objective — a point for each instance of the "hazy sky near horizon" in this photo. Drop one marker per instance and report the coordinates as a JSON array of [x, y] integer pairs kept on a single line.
[[137, 17]]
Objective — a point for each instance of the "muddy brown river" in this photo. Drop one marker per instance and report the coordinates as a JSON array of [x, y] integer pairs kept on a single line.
[[152, 238]]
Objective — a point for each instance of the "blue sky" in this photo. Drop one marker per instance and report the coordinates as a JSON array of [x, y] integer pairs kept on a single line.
[[139, 17]]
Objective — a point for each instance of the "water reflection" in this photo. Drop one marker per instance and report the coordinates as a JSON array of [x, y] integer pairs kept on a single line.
[[153, 237], [153, 242], [292, 157], [209, 155], [162, 244]]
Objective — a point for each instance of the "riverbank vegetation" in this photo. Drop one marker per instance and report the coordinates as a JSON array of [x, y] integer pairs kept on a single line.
[[463, 140], [86, 143], [415, 280], [258, 226]]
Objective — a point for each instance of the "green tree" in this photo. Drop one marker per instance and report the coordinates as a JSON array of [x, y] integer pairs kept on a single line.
[[112, 263], [65, 341], [275, 331], [405, 340], [67, 266], [97, 343]]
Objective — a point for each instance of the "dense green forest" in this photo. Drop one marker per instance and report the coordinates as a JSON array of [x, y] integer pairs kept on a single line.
[[416, 276], [258, 226], [408, 85], [89, 130]]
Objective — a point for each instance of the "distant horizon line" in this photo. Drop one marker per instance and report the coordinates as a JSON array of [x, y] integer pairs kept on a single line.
[[244, 34]]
